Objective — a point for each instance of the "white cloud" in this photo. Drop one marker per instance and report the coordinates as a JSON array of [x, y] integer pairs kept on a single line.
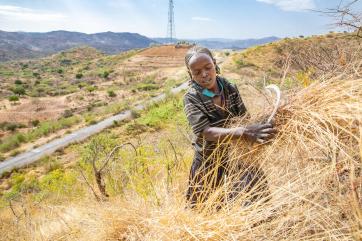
[[27, 14], [202, 19], [292, 5], [77, 16]]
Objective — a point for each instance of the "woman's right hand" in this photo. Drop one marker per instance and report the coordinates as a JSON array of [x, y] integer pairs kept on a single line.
[[259, 132]]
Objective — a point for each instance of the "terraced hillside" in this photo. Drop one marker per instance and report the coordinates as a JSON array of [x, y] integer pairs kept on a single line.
[[79, 87]]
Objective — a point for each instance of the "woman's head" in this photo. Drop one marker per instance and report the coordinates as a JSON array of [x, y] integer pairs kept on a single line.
[[202, 66]]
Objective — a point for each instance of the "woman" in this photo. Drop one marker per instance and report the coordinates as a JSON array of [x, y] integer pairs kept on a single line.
[[209, 103]]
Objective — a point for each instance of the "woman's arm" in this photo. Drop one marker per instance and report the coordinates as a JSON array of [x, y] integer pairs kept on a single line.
[[256, 132]]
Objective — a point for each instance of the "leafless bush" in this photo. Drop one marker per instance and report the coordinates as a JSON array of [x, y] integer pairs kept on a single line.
[[321, 58], [345, 15]]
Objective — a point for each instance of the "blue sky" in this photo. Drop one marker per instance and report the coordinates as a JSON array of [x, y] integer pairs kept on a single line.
[[237, 19]]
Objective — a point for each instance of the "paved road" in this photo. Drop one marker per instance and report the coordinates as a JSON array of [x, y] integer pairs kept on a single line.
[[79, 135]]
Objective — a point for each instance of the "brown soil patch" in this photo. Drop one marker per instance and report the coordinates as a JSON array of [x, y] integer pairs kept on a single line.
[[51, 108], [46, 108], [166, 51], [167, 56]]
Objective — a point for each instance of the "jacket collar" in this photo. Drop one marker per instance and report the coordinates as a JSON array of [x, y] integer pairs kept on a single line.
[[208, 93]]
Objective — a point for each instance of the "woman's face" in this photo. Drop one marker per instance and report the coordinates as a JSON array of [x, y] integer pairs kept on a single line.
[[203, 71]]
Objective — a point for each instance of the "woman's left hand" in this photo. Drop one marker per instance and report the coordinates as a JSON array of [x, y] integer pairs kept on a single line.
[[259, 132]]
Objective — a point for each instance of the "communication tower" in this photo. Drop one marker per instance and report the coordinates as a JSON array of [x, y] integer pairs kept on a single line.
[[171, 22]]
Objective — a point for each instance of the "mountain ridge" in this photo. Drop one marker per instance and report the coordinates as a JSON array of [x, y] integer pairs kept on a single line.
[[28, 45], [20, 45]]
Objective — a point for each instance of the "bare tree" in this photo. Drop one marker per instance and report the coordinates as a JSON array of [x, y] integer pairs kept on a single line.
[[346, 15], [99, 158]]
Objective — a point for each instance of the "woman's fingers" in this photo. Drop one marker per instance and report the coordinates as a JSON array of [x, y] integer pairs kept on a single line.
[[265, 126], [268, 130], [264, 136], [261, 141], [260, 132]]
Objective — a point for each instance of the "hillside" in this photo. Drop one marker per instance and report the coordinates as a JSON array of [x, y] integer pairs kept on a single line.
[[24, 45], [297, 60], [313, 166], [78, 87]]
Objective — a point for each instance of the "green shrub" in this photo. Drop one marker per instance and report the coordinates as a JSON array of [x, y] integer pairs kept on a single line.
[[13, 98], [21, 184], [48, 127], [90, 107], [111, 93], [104, 74], [92, 122], [81, 85], [79, 75], [242, 64], [115, 123], [35, 123], [18, 90], [65, 62], [67, 113], [58, 181], [44, 128], [147, 87], [12, 127], [12, 142], [16, 180], [91, 88], [18, 82]]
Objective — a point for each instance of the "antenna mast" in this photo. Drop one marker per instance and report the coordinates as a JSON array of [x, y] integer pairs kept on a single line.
[[171, 22]]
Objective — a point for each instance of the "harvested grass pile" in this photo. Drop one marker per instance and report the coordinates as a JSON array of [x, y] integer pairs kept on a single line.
[[313, 166], [313, 169]]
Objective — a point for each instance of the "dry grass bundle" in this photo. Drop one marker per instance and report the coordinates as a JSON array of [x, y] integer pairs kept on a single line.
[[313, 169], [314, 166]]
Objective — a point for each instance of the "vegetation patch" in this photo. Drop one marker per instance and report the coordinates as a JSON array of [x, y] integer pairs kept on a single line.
[[43, 129]]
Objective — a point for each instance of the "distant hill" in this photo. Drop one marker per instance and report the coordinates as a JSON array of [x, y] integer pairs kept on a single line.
[[20, 45], [222, 43], [26, 45]]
